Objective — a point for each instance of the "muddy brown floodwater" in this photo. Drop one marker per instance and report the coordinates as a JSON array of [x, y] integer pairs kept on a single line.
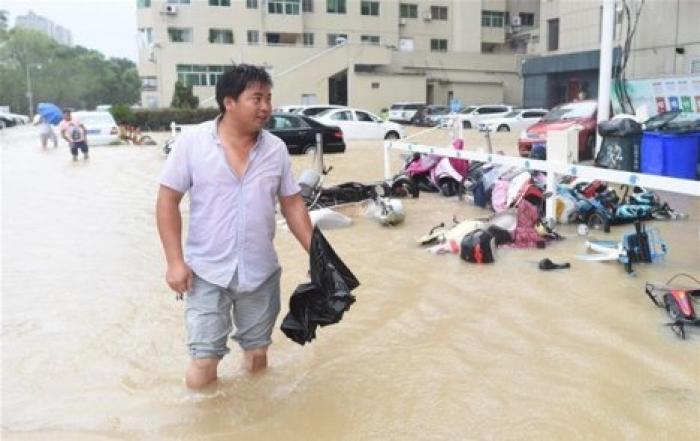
[[434, 349]]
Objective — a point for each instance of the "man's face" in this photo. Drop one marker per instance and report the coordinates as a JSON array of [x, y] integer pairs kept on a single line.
[[66, 116], [252, 108]]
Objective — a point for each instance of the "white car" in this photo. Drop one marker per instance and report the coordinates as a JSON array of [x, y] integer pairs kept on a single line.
[[515, 121], [314, 109], [404, 111], [480, 113], [288, 109], [101, 127], [360, 124]]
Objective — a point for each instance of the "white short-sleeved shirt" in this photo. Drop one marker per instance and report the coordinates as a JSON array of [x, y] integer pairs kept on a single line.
[[232, 221]]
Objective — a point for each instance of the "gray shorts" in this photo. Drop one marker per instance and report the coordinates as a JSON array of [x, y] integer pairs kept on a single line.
[[208, 316]]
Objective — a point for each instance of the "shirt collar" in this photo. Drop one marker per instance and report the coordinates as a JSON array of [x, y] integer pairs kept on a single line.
[[215, 134]]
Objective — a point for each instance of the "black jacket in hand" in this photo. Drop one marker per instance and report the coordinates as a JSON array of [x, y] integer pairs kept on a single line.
[[324, 300]]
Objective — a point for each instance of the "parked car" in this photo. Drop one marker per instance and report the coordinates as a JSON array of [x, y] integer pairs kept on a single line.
[[448, 119], [287, 109], [404, 111], [13, 119], [429, 116], [515, 121], [299, 133], [315, 109], [561, 117], [361, 124], [480, 113], [101, 127]]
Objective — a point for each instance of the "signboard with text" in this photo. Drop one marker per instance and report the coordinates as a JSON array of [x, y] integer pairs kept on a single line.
[[652, 96]]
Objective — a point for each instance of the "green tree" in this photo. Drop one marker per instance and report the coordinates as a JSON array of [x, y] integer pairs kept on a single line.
[[183, 98], [69, 76]]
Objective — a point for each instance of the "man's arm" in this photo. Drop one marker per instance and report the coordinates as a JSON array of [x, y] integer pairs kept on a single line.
[[169, 222], [297, 216]]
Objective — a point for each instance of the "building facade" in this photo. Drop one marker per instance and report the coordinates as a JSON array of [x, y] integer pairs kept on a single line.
[[566, 47], [363, 53], [45, 26]]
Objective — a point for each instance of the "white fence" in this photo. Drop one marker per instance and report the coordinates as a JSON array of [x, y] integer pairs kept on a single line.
[[551, 166]]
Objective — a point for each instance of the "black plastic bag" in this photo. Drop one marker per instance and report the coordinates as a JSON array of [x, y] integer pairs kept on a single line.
[[478, 247], [323, 301]]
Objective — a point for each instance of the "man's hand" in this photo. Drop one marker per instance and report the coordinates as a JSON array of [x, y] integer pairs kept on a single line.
[[179, 278]]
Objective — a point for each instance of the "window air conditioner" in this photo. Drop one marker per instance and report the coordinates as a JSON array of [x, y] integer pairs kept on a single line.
[[515, 20], [402, 22], [170, 9], [427, 16]]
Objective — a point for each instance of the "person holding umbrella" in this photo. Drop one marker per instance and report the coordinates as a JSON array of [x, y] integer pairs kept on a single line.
[[46, 115], [73, 131]]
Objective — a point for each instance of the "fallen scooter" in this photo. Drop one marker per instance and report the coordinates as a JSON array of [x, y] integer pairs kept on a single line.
[[678, 303]]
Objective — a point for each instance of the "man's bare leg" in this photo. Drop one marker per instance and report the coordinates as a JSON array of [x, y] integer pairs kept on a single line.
[[255, 360], [201, 372]]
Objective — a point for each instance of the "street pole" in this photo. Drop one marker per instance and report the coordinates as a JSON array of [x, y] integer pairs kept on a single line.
[[606, 59], [30, 97]]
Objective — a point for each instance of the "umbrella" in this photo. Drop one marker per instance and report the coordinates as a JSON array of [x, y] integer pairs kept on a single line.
[[50, 112]]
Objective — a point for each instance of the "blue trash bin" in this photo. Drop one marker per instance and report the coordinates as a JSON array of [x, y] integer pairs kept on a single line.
[[670, 154]]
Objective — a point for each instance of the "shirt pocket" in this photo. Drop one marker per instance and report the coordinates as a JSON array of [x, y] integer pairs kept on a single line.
[[269, 183]]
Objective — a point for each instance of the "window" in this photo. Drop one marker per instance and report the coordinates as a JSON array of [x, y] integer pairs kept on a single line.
[[364, 117], [180, 35], [438, 12], [492, 19], [308, 39], [178, 2], [408, 10], [375, 85], [307, 5], [344, 115], [146, 35], [199, 75], [335, 6], [285, 122], [335, 39], [272, 38], [149, 83], [369, 39], [695, 69], [287, 7], [143, 3], [539, 114], [368, 7], [553, 34], [253, 37], [527, 19], [219, 2], [438, 45], [251, 4], [223, 36]]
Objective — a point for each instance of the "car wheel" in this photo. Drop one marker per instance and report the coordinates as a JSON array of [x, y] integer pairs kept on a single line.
[[309, 149], [503, 128], [392, 136], [466, 125]]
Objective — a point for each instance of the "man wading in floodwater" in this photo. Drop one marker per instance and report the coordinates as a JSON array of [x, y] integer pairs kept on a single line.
[[235, 172]]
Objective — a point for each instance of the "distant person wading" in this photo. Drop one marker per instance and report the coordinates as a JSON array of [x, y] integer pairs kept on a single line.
[[235, 172], [75, 134]]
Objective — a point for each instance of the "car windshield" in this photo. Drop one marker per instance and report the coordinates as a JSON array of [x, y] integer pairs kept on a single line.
[[571, 111], [467, 110], [512, 114], [323, 113], [396, 106]]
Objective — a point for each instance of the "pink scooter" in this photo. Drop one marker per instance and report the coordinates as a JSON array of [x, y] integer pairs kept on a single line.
[[449, 175]]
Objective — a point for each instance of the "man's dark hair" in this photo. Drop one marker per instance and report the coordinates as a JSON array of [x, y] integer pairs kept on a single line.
[[235, 80]]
